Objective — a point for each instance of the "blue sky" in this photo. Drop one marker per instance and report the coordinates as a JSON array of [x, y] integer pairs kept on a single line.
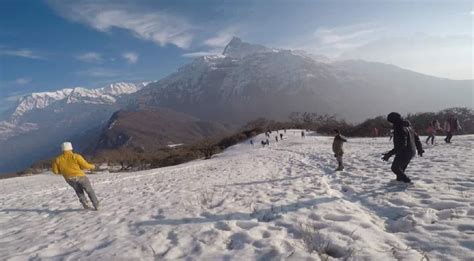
[[49, 45]]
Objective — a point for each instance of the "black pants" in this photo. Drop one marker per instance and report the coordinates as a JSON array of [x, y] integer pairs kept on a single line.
[[449, 136], [399, 165], [432, 137]]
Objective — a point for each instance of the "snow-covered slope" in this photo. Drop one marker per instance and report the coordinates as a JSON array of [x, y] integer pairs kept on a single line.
[[281, 202]]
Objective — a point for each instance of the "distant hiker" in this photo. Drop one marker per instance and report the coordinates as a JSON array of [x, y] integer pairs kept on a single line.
[[276, 138], [284, 130], [451, 126], [406, 143], [263, 143], [433, 127], [251, 142], [268, 142], [375, 132], [302, 134], [281, 136], [70, 166], [337, 149]]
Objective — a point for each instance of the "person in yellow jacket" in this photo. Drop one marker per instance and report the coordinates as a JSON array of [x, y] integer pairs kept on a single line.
[[70, 166]]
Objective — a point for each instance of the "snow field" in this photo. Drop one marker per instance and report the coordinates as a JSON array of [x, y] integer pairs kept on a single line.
[[282, 202]]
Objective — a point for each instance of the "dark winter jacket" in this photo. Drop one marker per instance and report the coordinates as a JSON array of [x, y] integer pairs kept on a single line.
[[452, 125], [405, 141], [337, 144]]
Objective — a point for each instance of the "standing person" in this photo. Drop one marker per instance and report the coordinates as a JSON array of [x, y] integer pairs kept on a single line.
[[406, 143], [436, 125], [302, 134], [251, 142], [376, 132], [281, 136], [267, 142], [276, 138], [337, 149], [451, 126], [431, 130], [70, 166]]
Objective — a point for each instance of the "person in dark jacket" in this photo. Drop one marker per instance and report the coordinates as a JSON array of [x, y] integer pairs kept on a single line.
[[337, 149], [406, 143], [451, 126], [281, 136]]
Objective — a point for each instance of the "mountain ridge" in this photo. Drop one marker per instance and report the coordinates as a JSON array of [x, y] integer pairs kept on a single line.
[[248, 81]]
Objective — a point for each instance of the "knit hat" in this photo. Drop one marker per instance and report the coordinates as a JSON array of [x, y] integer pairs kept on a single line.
[[66, 146], [394, 117]]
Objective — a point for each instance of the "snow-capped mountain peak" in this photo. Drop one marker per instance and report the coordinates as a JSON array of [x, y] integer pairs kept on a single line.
[[236, 48]]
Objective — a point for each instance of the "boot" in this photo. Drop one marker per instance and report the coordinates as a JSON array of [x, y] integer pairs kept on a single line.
[[406, 179], [86, 206], [84, 203]]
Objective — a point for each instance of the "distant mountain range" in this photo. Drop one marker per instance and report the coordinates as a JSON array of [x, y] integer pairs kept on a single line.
[[249, 81], [39, 122], [24, 118], [245, 82]]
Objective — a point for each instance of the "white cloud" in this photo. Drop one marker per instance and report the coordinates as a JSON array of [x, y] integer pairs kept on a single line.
[[131, 57], [14, 98], [215, 44], [333, 41], [336, 40], [199, 54], [90, 57], [99, 72], [22, 81], [222, 38], [24, 53], [448, 56], [331, 36], [157, 26]]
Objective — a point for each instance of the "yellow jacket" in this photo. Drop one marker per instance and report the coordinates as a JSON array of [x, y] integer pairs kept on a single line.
[[70, 165]]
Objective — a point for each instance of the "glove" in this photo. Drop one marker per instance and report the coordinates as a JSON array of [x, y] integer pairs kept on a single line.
[[420, 153], [386, 156]]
